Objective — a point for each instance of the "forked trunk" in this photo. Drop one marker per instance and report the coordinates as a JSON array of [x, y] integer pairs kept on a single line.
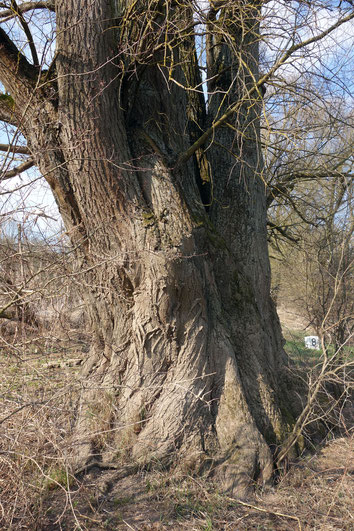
[[187, 360]]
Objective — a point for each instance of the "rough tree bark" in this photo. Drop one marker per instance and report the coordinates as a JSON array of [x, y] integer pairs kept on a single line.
[[187, 360]]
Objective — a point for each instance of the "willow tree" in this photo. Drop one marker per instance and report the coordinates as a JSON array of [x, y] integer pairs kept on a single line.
[[161, 190]]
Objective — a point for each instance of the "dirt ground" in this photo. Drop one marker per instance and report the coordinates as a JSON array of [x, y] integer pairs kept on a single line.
[[315, 494], [291, 319], [39, 492]]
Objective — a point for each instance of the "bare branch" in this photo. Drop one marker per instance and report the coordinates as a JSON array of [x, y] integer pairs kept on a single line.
[[25, 7], [15, 149], [281, 231], [18, 170], [16, 73], [257, 86], [21, 187], [27, 31], [7, 113], [287, 183]]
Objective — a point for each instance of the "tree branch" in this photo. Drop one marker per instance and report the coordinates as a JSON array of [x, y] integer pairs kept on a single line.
[[7, 113], [15, 149], [16, 171], [25, 7], [283, 232], [287, 183], [183, 157], [16, 73], [27, 31]]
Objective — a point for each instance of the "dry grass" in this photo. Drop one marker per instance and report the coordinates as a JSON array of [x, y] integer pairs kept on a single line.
[[38, 397], [315, 495], [38, 492]]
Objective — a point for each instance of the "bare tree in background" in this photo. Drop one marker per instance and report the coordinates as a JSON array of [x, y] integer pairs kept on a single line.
[[162, 194], [310, 207]]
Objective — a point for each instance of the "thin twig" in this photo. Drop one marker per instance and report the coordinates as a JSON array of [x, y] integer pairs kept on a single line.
[[282, 515]]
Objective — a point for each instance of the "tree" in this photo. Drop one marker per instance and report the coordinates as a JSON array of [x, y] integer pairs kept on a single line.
[[315, 272], [308, 148], [309, 200], [162, 196]]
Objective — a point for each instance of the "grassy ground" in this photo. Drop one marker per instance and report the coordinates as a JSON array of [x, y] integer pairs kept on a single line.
[[295, 347], [39, 386]]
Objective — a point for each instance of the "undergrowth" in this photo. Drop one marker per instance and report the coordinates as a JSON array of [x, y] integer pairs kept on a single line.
[[38, 490]]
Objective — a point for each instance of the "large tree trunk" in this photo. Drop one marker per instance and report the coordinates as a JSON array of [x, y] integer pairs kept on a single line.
[[187, 359]]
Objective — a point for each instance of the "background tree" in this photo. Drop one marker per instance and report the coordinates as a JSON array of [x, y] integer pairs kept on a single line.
[[314, 273], [162, 196], [308, 153]]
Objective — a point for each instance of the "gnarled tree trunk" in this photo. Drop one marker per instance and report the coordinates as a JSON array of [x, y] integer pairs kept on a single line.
[[187, 354]]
